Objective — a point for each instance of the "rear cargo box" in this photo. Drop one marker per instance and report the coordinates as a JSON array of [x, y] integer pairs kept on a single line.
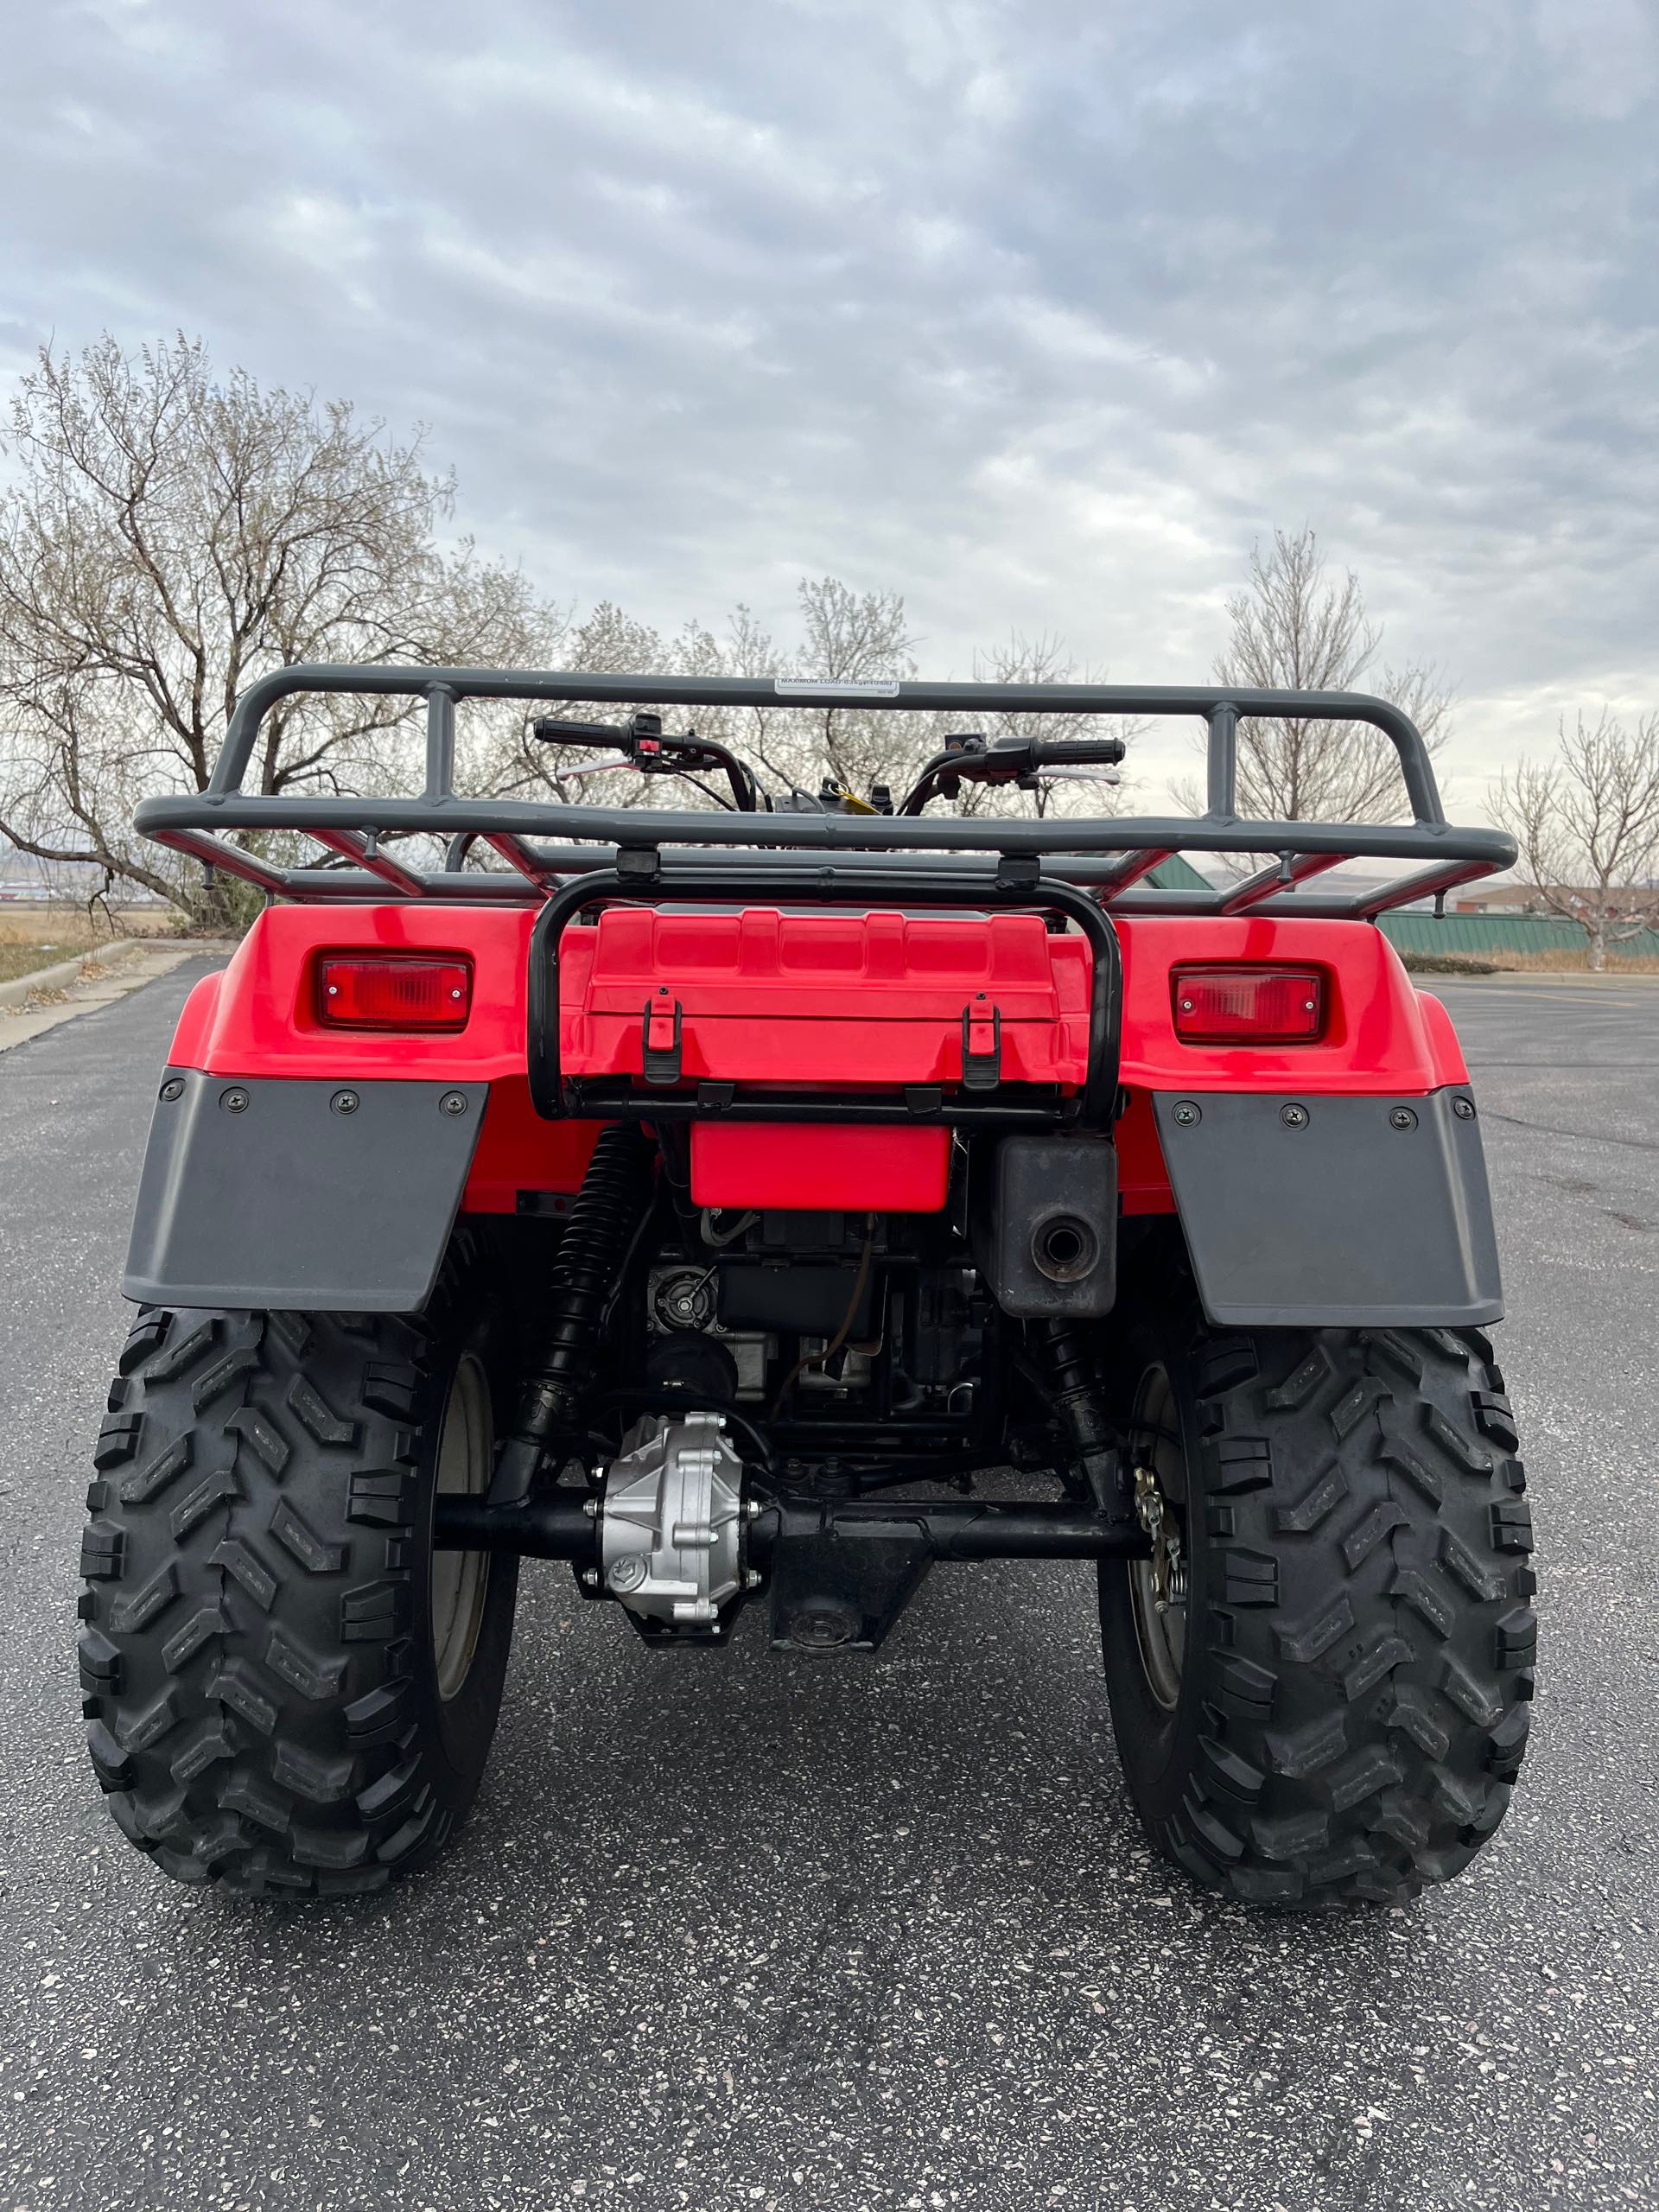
[[833, 1002], [835, 1005]]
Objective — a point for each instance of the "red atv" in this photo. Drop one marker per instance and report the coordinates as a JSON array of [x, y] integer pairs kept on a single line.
[[757, 1206]]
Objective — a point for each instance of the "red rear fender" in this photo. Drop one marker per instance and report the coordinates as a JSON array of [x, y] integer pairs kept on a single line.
[[825, 1000], [262, 1020], [1380, 1034]]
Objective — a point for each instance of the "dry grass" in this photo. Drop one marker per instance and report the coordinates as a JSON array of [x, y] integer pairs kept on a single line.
[[1576, 963], [1504, 962], [39, 936], [17, 959], [23, 959], [72, 927]]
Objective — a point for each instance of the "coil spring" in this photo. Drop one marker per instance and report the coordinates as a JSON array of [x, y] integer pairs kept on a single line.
[[591, 1253], [590, 1257], [1080, 1401], [1064, 1349]]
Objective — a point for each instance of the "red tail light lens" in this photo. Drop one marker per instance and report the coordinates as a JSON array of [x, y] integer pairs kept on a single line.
[[1248, 1006], [359, 992]]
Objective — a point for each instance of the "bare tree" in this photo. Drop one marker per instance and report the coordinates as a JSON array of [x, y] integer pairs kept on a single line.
[[1297, 627], [1588, 825], [605, 642], [845, 637], [849, 636], [169, 537]]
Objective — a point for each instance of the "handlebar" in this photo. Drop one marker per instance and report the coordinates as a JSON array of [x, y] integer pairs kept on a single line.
[[655, 750], [1012, 759]]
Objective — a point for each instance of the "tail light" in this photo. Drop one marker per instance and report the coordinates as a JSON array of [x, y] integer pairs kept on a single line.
[[355, 991], [1248, 1006]]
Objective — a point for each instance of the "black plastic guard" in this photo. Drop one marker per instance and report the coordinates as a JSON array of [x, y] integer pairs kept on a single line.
[[1334, 1212], [267, 1194], [1044, 1182], [845, 1591]]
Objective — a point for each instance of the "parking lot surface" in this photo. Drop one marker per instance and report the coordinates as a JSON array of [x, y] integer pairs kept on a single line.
[[745, 1930]]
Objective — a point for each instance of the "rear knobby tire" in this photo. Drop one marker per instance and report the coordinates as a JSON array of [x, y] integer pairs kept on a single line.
[[1353, 1694], [258, 1657]]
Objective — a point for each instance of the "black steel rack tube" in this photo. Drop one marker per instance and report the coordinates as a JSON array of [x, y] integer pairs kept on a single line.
[[353, 826], [442, 688], [830, 833]]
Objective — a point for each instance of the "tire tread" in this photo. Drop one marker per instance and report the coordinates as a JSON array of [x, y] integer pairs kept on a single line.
[[249, 1676], [1368, 1643]]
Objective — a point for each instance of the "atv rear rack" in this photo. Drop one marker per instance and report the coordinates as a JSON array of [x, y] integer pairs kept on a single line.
[[836, 883], [1108, 857]]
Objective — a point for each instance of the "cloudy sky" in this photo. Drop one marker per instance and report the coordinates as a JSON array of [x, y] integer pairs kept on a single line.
[[1037, 310]]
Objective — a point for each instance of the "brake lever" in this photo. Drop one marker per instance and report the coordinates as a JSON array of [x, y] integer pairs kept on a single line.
[[647, 746]]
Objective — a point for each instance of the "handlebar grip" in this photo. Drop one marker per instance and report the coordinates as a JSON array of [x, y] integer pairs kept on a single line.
[[1089, 752], [548, 730]]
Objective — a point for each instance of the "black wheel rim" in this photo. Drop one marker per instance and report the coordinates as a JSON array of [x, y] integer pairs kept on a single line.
[[461, 1580], [1158, 1585]]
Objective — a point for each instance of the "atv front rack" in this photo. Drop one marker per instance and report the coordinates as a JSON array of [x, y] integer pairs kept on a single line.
[[1108, 857]]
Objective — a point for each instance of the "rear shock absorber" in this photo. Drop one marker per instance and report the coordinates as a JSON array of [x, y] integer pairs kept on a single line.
[[613, 1193], [1062, 1348]]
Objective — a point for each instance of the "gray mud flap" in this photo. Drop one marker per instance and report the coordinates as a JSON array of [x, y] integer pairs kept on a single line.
[[266, 1193], [1334, 1212]]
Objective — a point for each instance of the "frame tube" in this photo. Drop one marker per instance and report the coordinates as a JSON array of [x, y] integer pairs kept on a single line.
[[1110, 853]]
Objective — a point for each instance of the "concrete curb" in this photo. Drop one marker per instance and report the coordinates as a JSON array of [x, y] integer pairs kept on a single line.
[[138, 961], [62, 972]]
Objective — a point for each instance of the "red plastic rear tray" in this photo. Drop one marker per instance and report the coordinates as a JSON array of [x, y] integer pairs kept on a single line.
[[832, 1001], [825, 1164]]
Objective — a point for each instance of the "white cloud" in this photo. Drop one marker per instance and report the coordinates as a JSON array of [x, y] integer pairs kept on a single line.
[[1037, 315], [1604, 54]]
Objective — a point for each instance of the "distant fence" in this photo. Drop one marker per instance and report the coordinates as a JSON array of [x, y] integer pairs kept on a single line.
[[1500, 933]]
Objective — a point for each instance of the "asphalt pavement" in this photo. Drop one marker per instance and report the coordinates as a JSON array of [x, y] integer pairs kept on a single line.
[[749, 1932]]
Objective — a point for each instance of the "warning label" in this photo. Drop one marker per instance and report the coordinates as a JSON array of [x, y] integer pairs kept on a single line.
[[819, 691]]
